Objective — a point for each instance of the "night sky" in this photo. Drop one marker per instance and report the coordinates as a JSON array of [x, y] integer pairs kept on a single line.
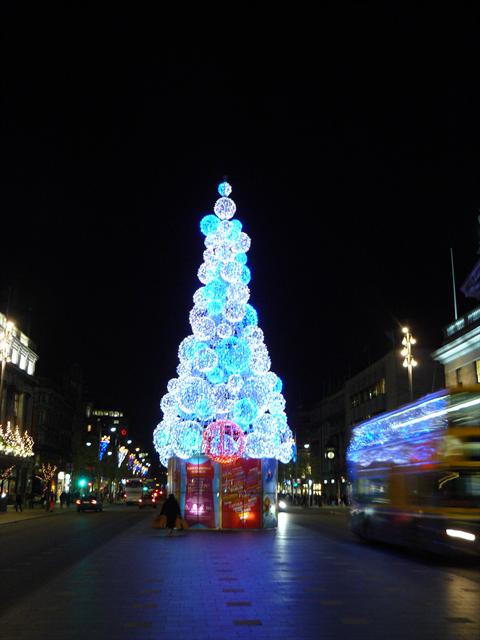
[[351, 141]]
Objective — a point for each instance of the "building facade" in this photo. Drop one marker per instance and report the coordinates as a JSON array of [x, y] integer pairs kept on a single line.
[[17, 386]]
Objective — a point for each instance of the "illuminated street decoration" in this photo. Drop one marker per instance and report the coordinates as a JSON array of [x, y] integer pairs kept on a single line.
[[14, 443], [122, 453], [223, 441], [104, 442], [225, 401]]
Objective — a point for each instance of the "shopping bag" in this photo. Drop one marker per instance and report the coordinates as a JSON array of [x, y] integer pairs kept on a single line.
[[160, 522], [180, 523]]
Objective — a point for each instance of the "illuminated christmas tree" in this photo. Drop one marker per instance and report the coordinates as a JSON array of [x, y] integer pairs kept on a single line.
[[226, 403]]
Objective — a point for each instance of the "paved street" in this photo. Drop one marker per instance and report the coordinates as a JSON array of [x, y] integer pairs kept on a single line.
[[110, 575]]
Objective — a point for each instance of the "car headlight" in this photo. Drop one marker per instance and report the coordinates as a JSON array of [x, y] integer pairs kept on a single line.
[[282, 504]]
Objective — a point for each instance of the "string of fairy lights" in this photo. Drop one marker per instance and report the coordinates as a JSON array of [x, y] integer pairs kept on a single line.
[[14, 443]]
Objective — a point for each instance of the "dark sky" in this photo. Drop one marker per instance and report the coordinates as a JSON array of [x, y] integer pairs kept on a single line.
[[351, 140]]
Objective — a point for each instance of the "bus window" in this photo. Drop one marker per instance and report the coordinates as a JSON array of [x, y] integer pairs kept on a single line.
[[458, 489], [371, 490]]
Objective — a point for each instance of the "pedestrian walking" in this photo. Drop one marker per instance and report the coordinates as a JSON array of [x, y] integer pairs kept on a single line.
[[19, 502], [51, 501], [68, 499], [171, 509], [63, 499]]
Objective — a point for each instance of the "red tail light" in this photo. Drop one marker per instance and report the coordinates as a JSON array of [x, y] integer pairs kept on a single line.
[[78, 502], [94, 502]]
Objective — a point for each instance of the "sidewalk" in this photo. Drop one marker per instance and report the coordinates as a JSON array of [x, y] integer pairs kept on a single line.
[[11, 516]]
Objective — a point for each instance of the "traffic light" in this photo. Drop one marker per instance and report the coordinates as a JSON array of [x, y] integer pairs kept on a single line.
[[123, 432], [82, 482]]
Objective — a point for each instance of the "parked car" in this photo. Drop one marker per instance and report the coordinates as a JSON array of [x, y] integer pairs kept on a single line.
[[89, 503], [147, 500]]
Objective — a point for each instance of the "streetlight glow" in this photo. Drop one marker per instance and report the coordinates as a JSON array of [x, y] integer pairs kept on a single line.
[[408, 360]]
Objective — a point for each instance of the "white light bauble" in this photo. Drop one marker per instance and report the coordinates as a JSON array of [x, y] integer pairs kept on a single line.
[[224, 330], [260, 360], [225, 208], [235, 384], [204, 329], [252, 333], [184, 369], [242, 243], [187, 348], [191, 392], [168, 405], [206, 273], [238, 293], [277, 403], [221, 399], [231, 271], [234, 311], [205, 359], [172, 385]]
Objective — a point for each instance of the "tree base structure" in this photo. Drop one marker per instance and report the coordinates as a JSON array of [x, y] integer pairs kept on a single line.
[[238, 495]]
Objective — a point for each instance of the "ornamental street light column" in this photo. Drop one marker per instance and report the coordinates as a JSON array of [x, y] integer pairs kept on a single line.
[[409, 361], [6, 338]]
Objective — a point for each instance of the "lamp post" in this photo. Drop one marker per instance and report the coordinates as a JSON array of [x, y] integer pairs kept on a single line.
[[6, 337], [409, 361]]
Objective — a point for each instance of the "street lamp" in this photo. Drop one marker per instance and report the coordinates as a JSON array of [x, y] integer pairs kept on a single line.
[[409, 361], [6, 339]]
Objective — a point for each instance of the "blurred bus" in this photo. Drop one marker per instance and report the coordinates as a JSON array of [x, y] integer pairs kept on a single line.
[[415, 474], [133, 490]]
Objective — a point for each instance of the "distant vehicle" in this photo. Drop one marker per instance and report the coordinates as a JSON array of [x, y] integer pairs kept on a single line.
[[415, 474], [134, 490], [89, 503], [159, 493], [147, 500], [282, 504]]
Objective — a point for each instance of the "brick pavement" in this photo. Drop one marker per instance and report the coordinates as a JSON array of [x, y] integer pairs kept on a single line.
[[293, 583]]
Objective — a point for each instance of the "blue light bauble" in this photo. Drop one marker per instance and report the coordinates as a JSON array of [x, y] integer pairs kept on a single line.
[[215, 307], [245, 276], [216, 290], [209, 224], [216, 376], [250, 317], [224, 189], [244, 412], [235, 229], [191, 391], [242, 259], [187, 439], [233, 354]]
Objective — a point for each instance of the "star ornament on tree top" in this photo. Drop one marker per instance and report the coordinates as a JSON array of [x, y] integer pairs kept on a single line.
[[225, 402]]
